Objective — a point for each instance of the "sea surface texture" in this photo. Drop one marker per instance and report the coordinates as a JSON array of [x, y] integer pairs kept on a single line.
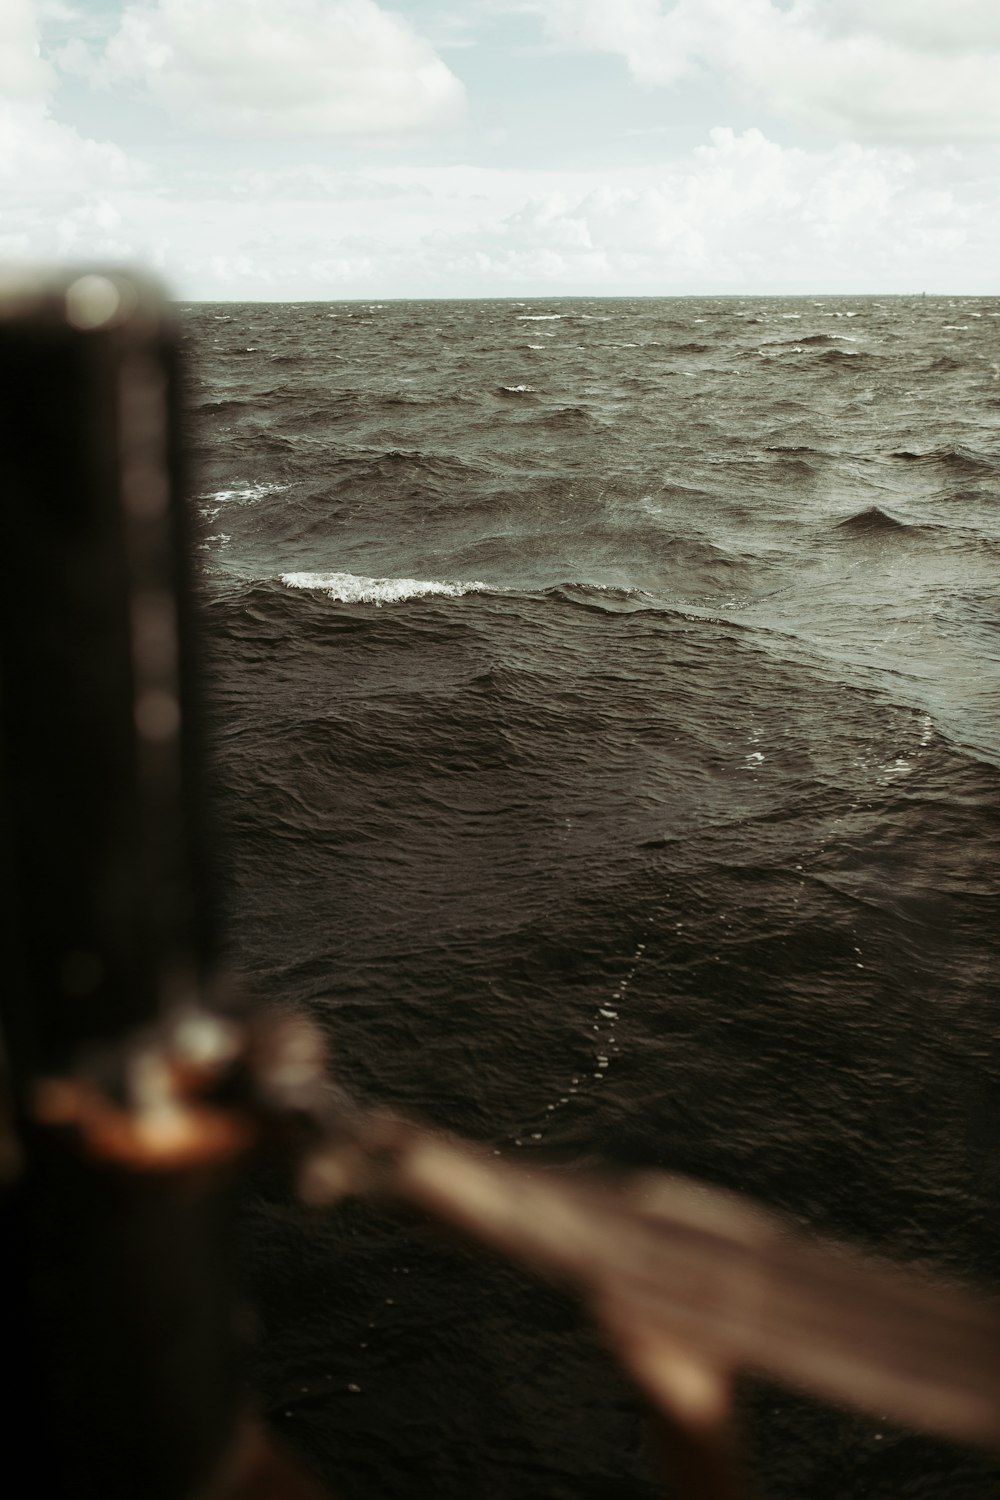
[[605, 699]]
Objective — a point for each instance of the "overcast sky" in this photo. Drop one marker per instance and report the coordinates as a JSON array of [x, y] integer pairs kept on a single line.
[[343, 148]]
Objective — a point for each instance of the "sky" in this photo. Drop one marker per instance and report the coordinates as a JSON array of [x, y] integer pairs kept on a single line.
[[327, 149]]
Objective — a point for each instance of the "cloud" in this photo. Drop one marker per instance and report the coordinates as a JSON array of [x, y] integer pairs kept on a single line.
[[877, 70], [303, 182], [740, 213], [278, 67], [932, 24], [23, 72], [58, 189], [56, 185]]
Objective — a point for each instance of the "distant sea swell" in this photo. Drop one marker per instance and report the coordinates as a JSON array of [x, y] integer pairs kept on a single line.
[[606, 699]]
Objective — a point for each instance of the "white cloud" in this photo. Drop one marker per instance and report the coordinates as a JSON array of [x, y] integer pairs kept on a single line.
[[938, 25], [23, 72], [58, 188], [56, 185], [278, 67], [738, 214], [745, 213], [891, 70]]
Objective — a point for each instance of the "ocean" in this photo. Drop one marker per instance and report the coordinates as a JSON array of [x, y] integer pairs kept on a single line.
[[605, 711]]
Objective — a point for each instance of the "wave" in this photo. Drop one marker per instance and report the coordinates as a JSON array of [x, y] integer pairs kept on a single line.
[[415, 398], [353, 588], [424, 471], [793, 448], [873, 521], [607, 598], [515, 390], [956, 457], [778, 348], [218, 407], [566, 416], [805, 343], [242, 494]]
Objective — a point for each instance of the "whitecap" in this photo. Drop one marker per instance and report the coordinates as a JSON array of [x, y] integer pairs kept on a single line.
[[352, 588], [518, 390], [539, 317], [244, 494]]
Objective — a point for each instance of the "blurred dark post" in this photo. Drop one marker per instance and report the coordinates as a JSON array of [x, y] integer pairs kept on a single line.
[[117, 1311]]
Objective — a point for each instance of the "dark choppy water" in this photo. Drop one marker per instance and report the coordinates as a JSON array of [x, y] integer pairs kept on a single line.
[[607, 699]]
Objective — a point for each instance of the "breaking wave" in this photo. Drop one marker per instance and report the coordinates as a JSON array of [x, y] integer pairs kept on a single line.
[[353, 588]]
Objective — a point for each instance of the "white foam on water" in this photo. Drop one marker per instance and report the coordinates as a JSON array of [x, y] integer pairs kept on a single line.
[[243, 494], [352, 588], [539, 317], [518, 390]]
